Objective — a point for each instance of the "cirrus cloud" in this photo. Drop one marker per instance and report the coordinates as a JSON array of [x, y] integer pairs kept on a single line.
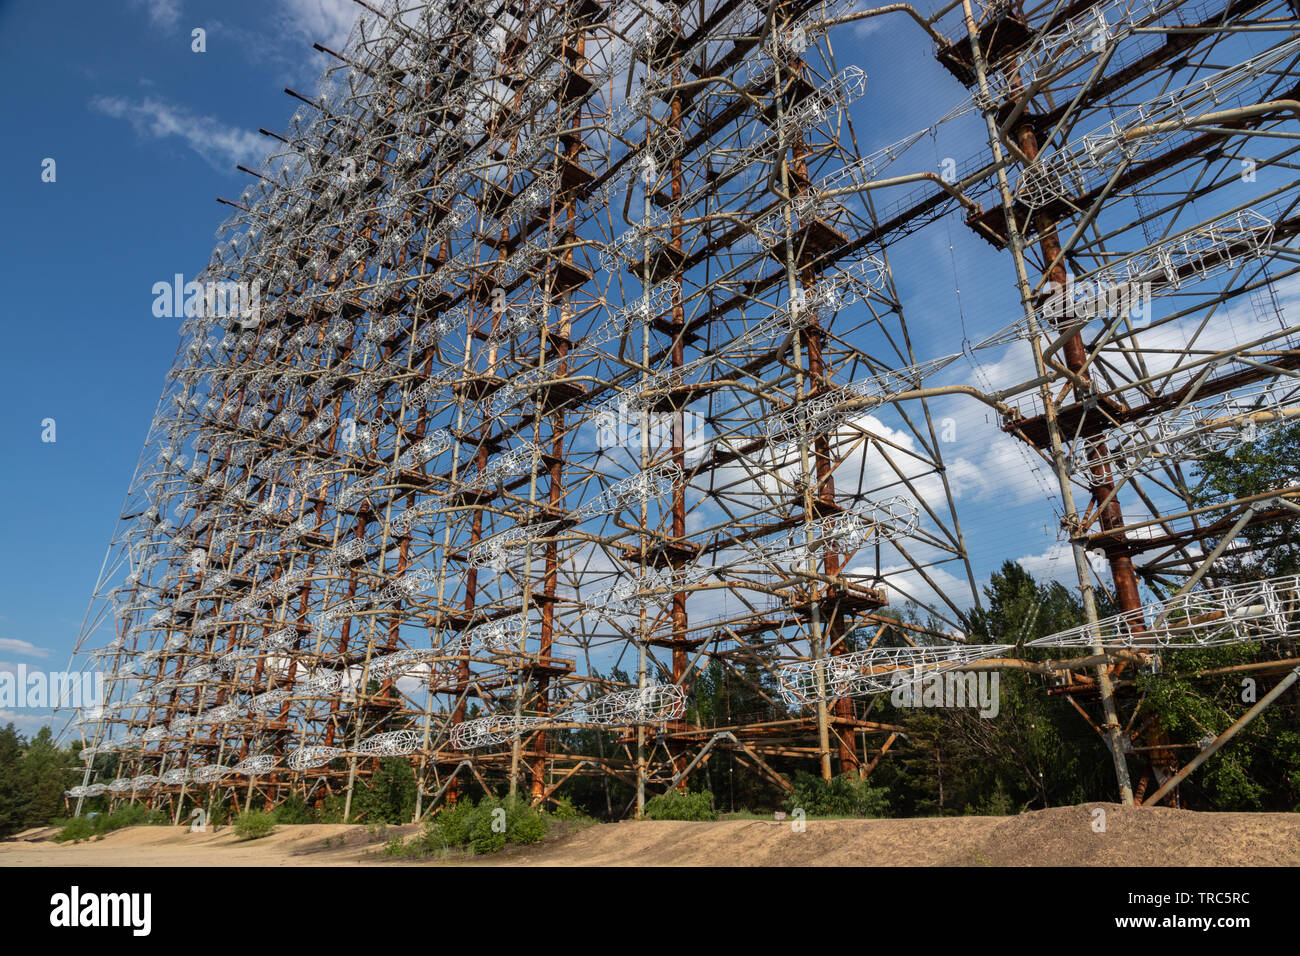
[[23, 648], [220, 144]]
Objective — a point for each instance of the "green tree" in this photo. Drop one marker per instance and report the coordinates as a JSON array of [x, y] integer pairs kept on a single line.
[[1270, 463], [1036, 752], [13, 796], [388, 796], [1260, 768], [45, 775]]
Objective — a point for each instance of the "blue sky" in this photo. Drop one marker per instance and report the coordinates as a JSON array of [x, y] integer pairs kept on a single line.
[[145, 133]]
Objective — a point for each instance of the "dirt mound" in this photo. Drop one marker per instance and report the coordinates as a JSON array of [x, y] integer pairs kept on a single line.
[[305, 845], [1062, 836], [33, 835], [1145, 836]]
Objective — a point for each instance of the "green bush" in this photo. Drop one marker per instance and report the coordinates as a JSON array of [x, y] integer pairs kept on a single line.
[[293, 810], [454, 825], [488, 837], [478, 827], [675, 805], [995, 804], [524, 824], [330, 810], [843, 796], [78, 828], [387, 796], [129, 815], [424, 843], [565, 810], [254, 824], [132, 815], [516, 823], [218, 815]]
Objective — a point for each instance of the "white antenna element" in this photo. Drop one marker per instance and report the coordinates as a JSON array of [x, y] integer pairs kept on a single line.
[[254, 765], [631, 492], [655, 703], [827, 411], [1113, 291], [494, 552], [500, 636], [632, 315], [652, 704], [848, 531], [1190, 433], [394, 743], [321, 684], [1267, 610], [1073, 43], [1139, 132], [309, 758], [874, 671], [491, 731], [628, 595], [391, 666]]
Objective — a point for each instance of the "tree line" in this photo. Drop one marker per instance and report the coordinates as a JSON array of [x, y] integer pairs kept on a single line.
[[1038, 751]]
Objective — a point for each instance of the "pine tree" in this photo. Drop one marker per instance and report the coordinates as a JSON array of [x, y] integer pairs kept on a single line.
[[13, 797]]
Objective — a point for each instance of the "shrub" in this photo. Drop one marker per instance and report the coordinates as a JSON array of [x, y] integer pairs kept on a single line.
[[128, 815], [454, 826], [675, 805], [524, 824], [843, 796], [565, 810], [485, 827], [388, 796], [78, 828], [218, 815], [424, 843], [330, 809], [500, 822], [995, 804], [254, 824], [488, 837], [293, 810]]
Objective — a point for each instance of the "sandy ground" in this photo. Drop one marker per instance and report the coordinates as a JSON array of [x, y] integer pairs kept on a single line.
[[307, 845], [1060, 836]]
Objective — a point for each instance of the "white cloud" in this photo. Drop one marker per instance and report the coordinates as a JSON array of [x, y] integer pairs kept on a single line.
[[28, 722], [162, 13], [220, 144], [25, 648], [325, 21], [1016, 365], [864, 28], [904, 584], [1057, 564]]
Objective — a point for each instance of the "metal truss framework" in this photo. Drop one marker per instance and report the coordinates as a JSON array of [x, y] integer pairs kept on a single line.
[[559, 338]]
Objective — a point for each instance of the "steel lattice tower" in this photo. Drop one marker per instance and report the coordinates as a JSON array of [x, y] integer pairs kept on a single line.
[[566, 340]]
